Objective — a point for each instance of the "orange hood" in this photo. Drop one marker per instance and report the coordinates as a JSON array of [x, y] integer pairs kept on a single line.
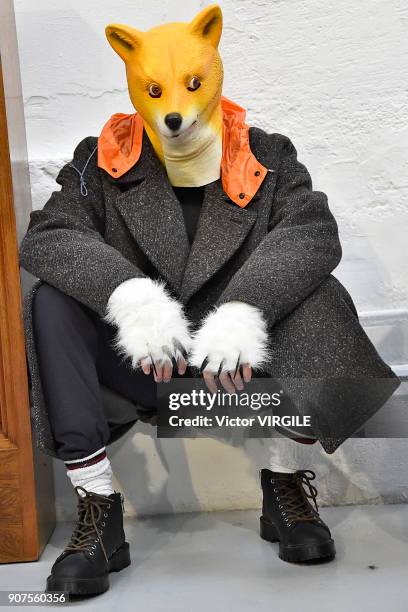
[[120, 145]]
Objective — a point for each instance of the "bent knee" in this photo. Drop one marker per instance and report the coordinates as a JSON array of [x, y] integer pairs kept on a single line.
[[46, 299], [53, 309], [337, 290]]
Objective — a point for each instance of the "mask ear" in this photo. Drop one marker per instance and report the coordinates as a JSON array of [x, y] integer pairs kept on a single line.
[[123, 39], [208, 24]]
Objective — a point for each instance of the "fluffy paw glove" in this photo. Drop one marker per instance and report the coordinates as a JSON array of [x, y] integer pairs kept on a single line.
[[235, 333], [151, 324]]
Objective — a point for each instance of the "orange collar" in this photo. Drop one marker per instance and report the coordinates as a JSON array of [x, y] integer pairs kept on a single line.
[[120, 145]]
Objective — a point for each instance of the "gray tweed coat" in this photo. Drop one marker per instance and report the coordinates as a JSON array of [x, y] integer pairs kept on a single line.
[[277, 254]]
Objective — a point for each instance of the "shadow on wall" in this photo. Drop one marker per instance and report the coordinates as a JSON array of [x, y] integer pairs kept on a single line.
[[176, 476]]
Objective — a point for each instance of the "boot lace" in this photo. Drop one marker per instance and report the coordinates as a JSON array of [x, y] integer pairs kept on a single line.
[[91, 509], [294, 500]]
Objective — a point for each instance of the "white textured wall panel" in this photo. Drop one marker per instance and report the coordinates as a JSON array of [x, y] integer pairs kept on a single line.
[[333, 77]]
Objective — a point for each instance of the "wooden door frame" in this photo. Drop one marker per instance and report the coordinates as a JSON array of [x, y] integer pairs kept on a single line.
[[16, 461], [26, 515]]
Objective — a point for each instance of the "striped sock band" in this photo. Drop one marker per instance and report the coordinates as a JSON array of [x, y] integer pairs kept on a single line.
[[73, 464]]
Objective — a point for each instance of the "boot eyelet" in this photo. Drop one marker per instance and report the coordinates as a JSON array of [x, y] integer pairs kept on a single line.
[[105, 515], [275, 490], [108, 506], [103, 524], [92, 553], [93, 546]]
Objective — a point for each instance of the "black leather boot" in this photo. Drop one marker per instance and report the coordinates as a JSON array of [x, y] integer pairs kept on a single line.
[[97, 547], [289, 518]]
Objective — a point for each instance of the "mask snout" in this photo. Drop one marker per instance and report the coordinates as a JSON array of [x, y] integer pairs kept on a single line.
[[173, 121]]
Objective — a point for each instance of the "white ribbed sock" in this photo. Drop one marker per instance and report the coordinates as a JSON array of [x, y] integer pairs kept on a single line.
[[96, 477], [287, 456]]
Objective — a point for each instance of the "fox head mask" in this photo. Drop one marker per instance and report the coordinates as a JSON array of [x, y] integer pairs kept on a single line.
[[175, 76]]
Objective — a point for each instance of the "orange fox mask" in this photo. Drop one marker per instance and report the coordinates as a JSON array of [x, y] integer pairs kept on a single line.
[[175, 77]]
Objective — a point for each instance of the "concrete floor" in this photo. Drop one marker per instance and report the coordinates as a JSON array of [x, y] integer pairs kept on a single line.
[[216, 561]]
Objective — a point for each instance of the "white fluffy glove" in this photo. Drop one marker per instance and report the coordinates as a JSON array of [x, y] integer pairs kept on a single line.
[[234, 333], [151, 325]]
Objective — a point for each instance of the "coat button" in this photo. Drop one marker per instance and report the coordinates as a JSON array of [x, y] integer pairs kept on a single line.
[[114, 170], [257, 173], [242, 196]]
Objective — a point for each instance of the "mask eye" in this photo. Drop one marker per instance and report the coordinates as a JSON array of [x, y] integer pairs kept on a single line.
[[194, 84], [155, 90]]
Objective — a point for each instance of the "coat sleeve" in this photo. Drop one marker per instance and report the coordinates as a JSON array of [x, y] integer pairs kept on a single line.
[[64, 244], [300, 250]]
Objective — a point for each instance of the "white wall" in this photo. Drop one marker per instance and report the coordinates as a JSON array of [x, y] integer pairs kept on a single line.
[[332, 76]]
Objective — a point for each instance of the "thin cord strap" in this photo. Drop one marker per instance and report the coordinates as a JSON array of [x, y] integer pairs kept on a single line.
[[84, 190]]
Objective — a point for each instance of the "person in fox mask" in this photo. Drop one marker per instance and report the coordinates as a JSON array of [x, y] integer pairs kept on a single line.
[[186, 241]]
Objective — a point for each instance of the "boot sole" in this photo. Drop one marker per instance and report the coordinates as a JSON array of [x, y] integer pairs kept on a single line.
[[91, 586], [297, 554]]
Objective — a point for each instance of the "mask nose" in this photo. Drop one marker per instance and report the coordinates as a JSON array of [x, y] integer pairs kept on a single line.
[[173, 120]]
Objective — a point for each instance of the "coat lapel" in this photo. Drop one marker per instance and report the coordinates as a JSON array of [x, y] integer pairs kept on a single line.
[[153, 214], [221, 230], [151, 210]]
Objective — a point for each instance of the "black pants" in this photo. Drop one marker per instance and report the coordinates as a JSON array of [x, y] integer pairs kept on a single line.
[[76, 356]]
